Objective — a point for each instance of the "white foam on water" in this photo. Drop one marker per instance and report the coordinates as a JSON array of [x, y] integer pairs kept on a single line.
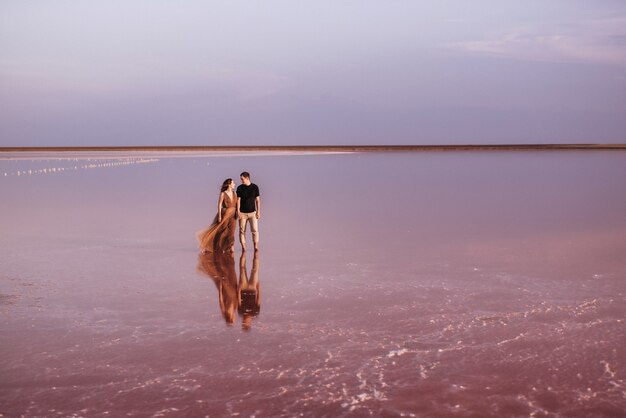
[[397, 353]]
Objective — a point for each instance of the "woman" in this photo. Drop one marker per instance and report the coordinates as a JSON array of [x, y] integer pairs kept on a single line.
[[220, 236]]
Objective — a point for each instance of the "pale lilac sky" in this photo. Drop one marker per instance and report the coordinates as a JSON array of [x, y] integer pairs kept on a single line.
[[156, 72]]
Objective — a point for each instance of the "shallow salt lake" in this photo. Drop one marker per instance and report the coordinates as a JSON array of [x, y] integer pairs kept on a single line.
[[427, 284]]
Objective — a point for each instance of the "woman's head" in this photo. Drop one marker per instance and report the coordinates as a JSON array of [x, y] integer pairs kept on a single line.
[[226, 184]]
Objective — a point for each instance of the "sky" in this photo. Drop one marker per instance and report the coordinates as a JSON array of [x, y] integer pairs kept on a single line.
[[284, 72]]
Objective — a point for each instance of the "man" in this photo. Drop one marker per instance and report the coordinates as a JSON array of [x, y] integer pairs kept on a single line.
[[248, 210]]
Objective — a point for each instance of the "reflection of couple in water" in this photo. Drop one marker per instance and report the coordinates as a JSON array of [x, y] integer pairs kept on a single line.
[[243, 205], [243, 296]]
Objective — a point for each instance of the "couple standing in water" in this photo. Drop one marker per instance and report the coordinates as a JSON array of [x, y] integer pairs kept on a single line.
[[244, 206]]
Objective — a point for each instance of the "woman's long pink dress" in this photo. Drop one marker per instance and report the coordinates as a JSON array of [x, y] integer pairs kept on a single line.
[[220, 236]]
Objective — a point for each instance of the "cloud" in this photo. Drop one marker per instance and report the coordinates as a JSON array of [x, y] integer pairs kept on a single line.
[[595, 42]]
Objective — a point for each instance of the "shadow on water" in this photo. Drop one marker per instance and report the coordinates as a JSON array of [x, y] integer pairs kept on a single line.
[[236, 295]]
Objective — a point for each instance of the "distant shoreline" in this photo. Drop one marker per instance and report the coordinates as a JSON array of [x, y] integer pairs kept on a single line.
[[327, 148]]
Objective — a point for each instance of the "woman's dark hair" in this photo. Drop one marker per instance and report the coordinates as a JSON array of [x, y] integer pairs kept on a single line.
[[226, 184]]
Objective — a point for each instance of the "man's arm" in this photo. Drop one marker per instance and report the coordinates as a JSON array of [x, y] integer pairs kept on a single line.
[[258, 207]]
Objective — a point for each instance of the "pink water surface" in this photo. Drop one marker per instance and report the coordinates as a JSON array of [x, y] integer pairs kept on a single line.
[[476, 284]]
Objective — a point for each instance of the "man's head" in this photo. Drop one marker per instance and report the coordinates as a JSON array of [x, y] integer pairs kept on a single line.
[[245, 178]]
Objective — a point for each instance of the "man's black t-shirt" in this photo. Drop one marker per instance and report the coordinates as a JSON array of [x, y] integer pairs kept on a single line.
[[248, 195]]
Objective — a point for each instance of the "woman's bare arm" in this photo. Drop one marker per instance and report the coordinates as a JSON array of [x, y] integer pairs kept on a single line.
[[219, 207]]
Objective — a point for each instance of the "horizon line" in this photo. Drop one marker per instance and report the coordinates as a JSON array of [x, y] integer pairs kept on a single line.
[[331, 148]]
